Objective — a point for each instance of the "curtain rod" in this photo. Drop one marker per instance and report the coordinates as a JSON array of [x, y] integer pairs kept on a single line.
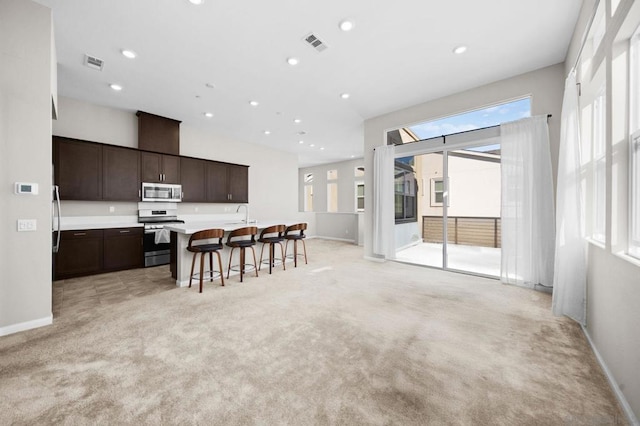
[[444, 137]]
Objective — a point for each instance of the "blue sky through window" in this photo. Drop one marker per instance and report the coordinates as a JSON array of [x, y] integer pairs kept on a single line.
[[486, 117]]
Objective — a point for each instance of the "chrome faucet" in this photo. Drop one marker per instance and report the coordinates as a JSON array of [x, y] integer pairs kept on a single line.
[[246, 212]]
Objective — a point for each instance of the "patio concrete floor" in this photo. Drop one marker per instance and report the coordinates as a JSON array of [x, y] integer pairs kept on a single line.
[[477, 260]]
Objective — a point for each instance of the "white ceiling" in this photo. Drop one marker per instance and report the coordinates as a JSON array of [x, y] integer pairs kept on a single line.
[[399, 54]]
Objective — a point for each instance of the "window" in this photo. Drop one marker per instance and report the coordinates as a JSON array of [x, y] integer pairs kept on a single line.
[[634, 148], [437, 192], [332, 191], [406, 189], [308, 192], [599, 201], [476, 119], [359, 196]]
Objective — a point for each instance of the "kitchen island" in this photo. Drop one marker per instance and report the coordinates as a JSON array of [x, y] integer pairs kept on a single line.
[[180, 234]]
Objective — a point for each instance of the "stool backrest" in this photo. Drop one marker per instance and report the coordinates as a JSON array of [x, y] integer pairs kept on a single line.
[[275, 229], [207, 234], [298, 228], [242, 233]]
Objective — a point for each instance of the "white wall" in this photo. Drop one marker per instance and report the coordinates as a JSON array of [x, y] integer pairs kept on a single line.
[[273, 187], [613, 289], [346, 185], [545, 86], [346, 224], [25, 156]]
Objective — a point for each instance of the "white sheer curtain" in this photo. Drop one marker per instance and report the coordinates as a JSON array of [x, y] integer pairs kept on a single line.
[[383, 202], [570, 280], [528, 227]]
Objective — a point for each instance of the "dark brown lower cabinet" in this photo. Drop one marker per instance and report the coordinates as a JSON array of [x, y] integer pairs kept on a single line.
[[93, 251], [123, 249], [80, 253]]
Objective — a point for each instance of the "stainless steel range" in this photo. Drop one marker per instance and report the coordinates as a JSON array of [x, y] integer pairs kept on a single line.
[[155, 216]]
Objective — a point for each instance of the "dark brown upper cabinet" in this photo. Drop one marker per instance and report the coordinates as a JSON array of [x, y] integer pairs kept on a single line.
[[227, 183], [77, 169], [192, 178], [238, 183], [121, 174], [158, 134], [158, 168]]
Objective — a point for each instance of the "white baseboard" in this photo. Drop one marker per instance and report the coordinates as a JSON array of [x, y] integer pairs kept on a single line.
[[375, 259], [24, 326], [631, 417], [336, 239]]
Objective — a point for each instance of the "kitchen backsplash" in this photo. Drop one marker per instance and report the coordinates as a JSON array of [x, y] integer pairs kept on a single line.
[[106, 208]]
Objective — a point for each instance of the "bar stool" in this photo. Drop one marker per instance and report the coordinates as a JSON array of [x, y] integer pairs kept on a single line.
[[295, 233], [238, 239], [203, 249], [272, 236]]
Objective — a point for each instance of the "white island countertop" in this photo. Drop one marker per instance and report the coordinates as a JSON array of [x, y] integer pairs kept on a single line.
[[192, 227]]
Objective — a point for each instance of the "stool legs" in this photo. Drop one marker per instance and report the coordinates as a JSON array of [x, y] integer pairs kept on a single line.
[[272, 255], [202, 257], [242, 261], [295, 251]]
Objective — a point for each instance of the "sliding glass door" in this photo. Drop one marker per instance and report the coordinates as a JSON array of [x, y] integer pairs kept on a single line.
[[456, 225]]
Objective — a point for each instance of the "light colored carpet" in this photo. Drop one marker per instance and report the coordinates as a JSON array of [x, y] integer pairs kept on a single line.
[[338, 341]]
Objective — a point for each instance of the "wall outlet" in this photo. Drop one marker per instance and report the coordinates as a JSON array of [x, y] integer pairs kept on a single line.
[[112, 209], [195, 209], [26, 225]]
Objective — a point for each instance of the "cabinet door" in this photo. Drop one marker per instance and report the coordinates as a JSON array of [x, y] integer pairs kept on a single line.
[[217, 183], [170, 169], [123, 249], [80, 253], [238, 183], [121, 174], [151, 167], [192, 177], [78, 169]]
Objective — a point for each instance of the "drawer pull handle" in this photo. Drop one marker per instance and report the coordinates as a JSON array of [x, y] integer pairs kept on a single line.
[[78, 234], [124, 232]]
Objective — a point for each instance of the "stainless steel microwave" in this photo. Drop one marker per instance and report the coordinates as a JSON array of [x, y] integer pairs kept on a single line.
[[161, 192]]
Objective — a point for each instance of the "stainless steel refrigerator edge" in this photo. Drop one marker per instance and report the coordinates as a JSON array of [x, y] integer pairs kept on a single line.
[[55, 226]]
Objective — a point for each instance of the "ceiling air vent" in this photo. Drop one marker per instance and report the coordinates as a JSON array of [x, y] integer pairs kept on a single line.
[[315, 42], [93, 62]]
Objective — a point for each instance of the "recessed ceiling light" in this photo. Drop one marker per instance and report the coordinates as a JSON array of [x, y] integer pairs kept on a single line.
[[116, 87], [196, 2], [208, 114], [353, 156], [210, 86], [312, 145], [254, 103], [293, 61], [322, 148], [460, 49], [267, 132], [300, 142], [297, 121], [128, 53], [345, 95], [346, 25]]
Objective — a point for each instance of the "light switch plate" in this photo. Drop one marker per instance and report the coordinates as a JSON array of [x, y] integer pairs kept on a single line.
[[25, 225]]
